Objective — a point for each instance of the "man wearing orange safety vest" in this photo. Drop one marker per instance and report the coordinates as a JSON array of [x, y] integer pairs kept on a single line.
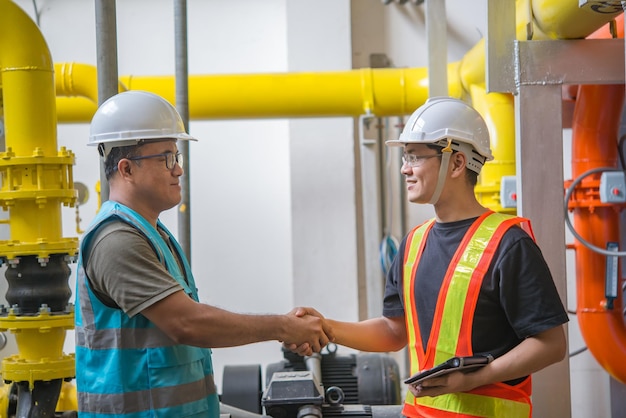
[[468, 282]]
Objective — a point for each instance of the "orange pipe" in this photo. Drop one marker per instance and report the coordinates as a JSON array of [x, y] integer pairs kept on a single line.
[[594, 139], [595, 129]]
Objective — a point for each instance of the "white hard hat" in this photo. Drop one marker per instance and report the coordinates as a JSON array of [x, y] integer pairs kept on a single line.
[[445, 118], [132, 116]]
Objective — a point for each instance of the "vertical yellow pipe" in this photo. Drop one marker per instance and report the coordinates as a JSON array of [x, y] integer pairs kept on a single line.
[[498, 111], [472, 67], [36, 180]]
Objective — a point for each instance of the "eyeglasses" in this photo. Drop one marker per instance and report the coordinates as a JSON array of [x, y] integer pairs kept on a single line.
[[170, 159], [413, 160]]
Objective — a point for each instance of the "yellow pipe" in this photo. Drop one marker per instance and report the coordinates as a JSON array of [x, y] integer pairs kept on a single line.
[[68, 399], [40, 341], [27, 84], [498, 111], [472, 67], [566, 19], [36, 179], [498, 108], [74, 79], [33, 167], [382, 92]]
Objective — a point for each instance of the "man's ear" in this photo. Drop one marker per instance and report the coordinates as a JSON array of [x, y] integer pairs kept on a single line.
[[457, 163], [124, 167]]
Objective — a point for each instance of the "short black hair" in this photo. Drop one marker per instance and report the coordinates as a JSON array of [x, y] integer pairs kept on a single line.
[[114, 157], [470, 175]]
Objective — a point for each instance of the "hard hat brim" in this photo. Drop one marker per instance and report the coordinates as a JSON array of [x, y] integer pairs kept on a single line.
[[399, 142], [119, 140]]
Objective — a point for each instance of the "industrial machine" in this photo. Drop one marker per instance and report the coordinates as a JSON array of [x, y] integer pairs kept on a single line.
[[322, 385]]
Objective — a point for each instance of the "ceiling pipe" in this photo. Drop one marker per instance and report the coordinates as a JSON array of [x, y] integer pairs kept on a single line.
[[381, 92]]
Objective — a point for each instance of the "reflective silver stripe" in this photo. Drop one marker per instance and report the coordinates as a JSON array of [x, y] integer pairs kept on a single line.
[[126, 403], [86, 310], [88, 336], [121, 338]]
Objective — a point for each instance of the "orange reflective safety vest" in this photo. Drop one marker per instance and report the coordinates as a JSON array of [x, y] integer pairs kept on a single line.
[[455, 308]]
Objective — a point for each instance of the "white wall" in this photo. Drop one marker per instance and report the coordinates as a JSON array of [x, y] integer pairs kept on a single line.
[[274, 202]]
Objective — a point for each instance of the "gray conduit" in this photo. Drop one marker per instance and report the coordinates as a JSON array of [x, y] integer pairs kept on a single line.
[[182, 105], [106, 51]]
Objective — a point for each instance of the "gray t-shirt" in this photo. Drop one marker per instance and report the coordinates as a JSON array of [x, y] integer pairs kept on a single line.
[[124, 270]]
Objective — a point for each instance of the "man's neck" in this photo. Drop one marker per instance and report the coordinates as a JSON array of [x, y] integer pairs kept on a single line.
[[458, 210], [144, 212]]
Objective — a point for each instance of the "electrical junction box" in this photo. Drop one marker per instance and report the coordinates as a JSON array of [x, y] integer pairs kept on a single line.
[[508, 192], [613, 187]]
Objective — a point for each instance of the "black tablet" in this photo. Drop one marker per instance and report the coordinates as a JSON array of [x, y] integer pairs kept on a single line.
[[460, 364]]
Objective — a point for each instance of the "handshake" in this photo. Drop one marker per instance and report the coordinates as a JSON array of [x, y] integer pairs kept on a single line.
[[307, 331]]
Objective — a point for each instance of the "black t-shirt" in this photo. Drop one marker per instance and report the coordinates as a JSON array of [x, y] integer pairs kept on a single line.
[[517, 298]]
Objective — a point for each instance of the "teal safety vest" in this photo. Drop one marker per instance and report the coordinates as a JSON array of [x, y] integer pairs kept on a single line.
[[127, 367]]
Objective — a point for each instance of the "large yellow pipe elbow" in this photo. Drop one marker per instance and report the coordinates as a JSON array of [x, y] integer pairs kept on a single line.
[[27, 83]]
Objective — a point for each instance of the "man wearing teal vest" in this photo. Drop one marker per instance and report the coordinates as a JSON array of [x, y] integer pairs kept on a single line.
[[469, 282], [142, 338]]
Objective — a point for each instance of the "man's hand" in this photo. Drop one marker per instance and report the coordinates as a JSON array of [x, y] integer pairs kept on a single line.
[[310, 346], [450, 383]]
